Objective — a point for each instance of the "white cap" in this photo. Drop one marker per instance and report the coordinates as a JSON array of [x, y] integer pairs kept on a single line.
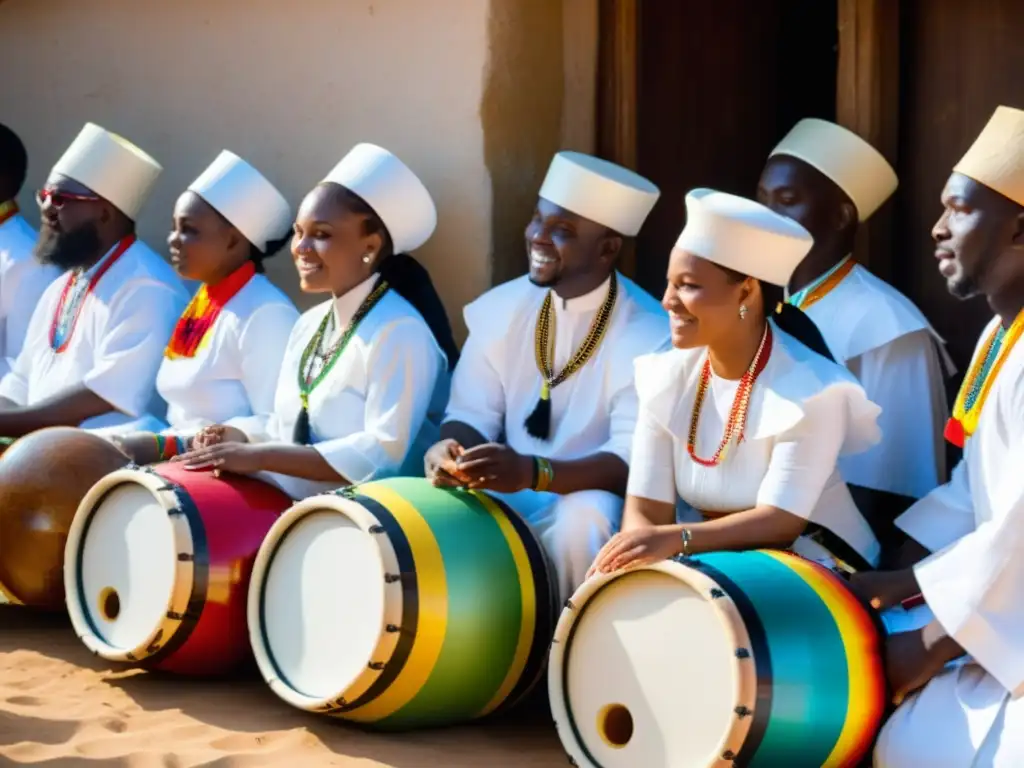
[[394, 192], [243, 196], [742, 235], [600, 191], [855, 166], [996, 159], [112, 167]]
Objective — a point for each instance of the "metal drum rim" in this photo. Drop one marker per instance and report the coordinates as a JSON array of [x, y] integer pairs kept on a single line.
[[344, 502], [723, 606], [184, 541]]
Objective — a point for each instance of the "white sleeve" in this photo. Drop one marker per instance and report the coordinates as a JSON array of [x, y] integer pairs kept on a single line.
[[14, 384], [651, 467], [944, 515], [402, 369], [23, 286], [804, 457], [130, 351], [477, 395], [261, 347], [974, 586]]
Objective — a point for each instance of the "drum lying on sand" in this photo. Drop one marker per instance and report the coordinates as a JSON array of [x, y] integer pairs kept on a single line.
[[43, 477], [158, 564], [755, 659], [400, 605]]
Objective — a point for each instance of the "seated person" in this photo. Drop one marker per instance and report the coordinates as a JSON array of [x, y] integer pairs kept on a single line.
[[221, 363], [365, 377], [96, 338], [744, 420], [543, 404]]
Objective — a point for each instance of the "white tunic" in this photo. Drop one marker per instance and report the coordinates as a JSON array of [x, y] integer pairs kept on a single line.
[[804, 412], [22, 282], [380, 406], [496, 386], [117, 345], [974, 585], [885, 341]]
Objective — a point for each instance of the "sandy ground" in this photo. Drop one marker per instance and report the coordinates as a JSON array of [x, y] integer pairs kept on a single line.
[[60, 706]]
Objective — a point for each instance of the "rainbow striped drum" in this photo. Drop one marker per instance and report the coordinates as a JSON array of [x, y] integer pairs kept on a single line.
[[396, 604], [755, 659]]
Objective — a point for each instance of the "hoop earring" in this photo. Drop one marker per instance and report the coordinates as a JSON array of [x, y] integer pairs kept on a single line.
[[743, 311]]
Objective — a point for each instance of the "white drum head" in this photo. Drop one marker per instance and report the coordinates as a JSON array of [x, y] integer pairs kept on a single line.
[[127, 566], [650, 674], [323, 601]]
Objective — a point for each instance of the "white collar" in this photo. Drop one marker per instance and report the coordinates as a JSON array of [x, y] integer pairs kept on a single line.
[[346, 305], [588, 302]]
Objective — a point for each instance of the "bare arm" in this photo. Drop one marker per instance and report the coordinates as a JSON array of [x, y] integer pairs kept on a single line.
[[600, 472], [67, 409], [296, 461]]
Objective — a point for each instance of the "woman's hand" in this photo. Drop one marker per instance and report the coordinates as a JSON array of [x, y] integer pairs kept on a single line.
[[636, 548], [441, 465], [496, 467], [217, 434], [240, 458]]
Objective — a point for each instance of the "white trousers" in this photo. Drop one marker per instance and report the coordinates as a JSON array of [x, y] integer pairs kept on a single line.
[[572, 528]]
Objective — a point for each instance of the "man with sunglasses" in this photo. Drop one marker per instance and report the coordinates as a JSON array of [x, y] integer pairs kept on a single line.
[[22, 278], [97, 335]]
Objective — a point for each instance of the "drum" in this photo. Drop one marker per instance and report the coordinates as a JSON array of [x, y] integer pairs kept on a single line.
[[397, 605], [755, 659], [158, 563], [43, 477]]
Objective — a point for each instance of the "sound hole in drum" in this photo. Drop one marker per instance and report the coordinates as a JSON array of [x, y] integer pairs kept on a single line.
[[615, 724], [110, 604]]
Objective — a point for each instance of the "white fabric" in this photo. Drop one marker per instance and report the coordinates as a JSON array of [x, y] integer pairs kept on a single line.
[[599, 191], [117, 345], [804, 412], [22, 283], [379, 408], [972, 584], [112, 167], [996, 158], [855, 166], [394, 192], [743, 235], [496, 386], [245, 197], [885, 341]]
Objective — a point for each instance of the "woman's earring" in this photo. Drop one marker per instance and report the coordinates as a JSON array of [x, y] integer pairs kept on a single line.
[[743, 311], [367, 258]]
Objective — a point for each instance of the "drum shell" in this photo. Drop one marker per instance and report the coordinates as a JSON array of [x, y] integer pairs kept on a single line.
[[472, 536], [227, 519]]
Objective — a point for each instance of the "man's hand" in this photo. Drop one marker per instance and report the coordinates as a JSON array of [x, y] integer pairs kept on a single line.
[[494, 467], [441, 467], [216, 434], [636, 548], [240, 458], [912, 659], [884, 589]]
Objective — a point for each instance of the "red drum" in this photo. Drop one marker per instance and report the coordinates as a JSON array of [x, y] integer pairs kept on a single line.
[[158, 562]]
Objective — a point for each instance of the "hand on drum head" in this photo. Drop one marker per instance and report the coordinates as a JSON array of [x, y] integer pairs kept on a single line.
[[637, 548], [884, 589], [240, 458], [440, 465], [217, 434], [496, 467]]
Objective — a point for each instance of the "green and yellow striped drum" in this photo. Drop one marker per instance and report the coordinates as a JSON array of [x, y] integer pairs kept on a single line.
[[749, 659], [398, 605]]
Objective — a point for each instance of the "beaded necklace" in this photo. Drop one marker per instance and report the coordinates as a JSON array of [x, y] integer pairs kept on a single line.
[[979, 379], [73, 298], [538, 423], [8, 210], [823, 286], [201, 313], [316, 362], [737, 422]]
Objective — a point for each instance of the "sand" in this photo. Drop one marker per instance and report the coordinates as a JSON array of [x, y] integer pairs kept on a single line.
[[61, 706]]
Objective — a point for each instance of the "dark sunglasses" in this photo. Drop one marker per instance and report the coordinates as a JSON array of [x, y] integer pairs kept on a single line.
[[58, 199]]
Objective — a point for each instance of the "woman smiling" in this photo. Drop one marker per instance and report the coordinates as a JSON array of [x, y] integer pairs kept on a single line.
[[365, 379], [744, 419]]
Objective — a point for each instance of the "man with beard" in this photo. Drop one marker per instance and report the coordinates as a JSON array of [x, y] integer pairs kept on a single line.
[[97, 336], [22, 278], [543, 405], [961, 675], [830, 180]]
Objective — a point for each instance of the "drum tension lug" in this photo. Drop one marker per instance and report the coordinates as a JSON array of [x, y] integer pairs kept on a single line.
[[717, 593], [571, 761], [391, 578], [393, 628], [376, 665], [376, 529], [728, 755], [186, 557], [175, 616], [742, 653], [743, 711], [568, 604]]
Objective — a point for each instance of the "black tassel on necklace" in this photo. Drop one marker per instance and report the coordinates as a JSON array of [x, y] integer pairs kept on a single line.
[[300, 433], [538, 423]]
